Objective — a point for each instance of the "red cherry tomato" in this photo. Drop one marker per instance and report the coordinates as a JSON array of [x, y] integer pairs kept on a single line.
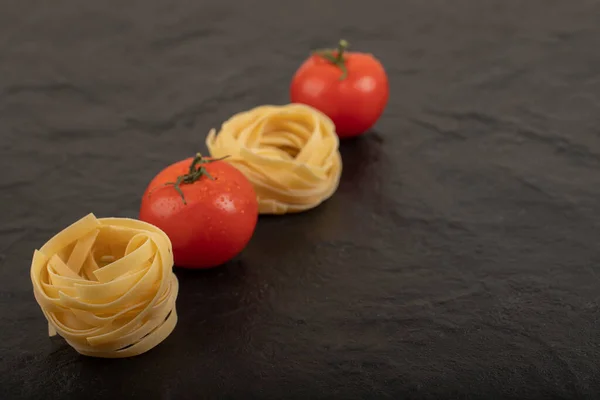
[[350, 88], [209, 216]]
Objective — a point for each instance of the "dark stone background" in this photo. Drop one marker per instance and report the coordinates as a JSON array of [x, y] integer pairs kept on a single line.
[[459, 258]]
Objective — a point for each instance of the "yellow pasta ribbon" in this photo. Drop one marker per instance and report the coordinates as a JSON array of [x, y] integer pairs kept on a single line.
[[289, 153], [107, 286]]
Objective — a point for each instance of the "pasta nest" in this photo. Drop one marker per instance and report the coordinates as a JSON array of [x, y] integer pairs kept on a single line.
[[107, 286], [289, 153]]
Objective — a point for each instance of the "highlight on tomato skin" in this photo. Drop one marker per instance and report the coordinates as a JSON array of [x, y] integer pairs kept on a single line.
[[351, 88], [207, 207]]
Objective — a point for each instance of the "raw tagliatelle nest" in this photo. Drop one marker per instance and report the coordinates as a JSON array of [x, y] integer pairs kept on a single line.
[[289, 153], [107, 286]]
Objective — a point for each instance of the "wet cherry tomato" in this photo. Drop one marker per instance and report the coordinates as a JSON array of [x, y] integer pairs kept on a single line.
[[207, 207], [351, 88]]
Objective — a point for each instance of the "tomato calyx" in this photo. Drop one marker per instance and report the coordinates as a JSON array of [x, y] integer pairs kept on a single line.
[[336, 57], [196, 171]]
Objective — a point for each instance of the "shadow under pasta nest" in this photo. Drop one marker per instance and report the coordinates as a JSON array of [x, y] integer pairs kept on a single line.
[[360, 156]]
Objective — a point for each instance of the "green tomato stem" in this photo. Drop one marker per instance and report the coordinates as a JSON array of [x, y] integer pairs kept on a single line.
[[196, 172], [336, 57], [342, 45]]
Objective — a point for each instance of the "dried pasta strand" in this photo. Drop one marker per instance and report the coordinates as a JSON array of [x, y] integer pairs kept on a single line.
[[103, 300], [289, 153]]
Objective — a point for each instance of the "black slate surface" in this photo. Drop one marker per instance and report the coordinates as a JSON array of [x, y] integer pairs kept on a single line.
[[459, 258]]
